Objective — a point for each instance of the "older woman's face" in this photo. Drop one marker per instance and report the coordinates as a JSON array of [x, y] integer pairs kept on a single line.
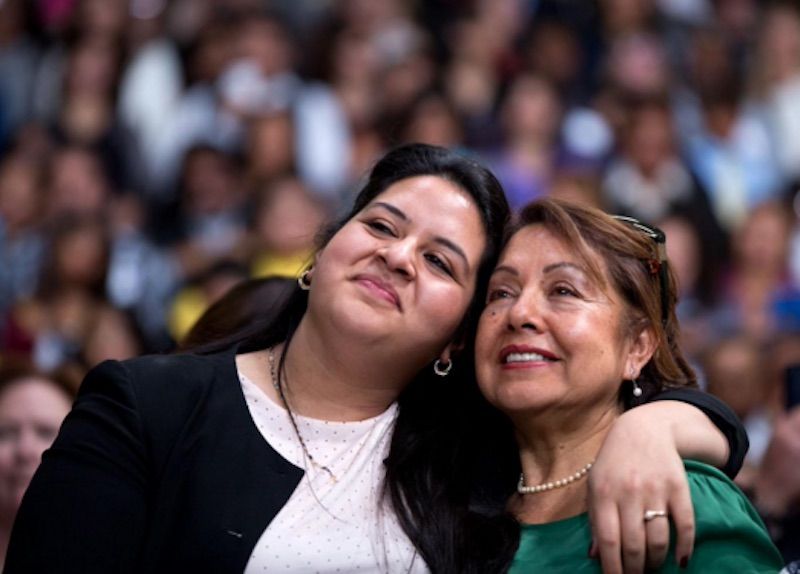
[[31, 411], [550, 335]]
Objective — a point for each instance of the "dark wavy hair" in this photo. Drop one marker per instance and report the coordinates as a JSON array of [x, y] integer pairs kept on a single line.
[[434, 463]]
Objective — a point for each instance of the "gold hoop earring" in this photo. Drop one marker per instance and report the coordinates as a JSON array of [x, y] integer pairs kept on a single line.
[[305, 280]]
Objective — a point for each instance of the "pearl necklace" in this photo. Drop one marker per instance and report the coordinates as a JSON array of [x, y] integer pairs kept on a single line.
[[522, 489]]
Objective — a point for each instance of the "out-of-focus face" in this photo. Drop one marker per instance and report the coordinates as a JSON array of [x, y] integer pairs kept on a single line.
[[80, 256], [19, 194], [550, 338], [31, 411], [287, 222], [78, 184], [650, 140], [531, 108], [271, 146], [763, 239], [210, 184], [435, 123], [403, 271]]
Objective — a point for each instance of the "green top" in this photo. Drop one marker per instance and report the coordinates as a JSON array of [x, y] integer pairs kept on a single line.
[[730, 536]]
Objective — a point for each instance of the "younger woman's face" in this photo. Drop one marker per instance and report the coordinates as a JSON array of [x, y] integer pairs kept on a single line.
[[402, 272]]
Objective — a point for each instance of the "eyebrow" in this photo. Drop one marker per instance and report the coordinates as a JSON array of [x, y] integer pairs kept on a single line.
[[564, 264], [389, 207], [443, 241], [552, 267]]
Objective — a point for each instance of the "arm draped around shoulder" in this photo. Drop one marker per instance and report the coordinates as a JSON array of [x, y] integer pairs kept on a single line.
[[86, 508], [722, 416]]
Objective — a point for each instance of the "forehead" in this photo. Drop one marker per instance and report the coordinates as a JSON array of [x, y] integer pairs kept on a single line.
[[429, 192], [33, 396], [535, 244], [538, 246]]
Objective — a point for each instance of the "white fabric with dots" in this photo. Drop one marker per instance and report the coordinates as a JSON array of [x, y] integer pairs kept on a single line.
[[326, 526]]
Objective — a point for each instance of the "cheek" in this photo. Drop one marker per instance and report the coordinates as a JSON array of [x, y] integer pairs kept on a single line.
[[592, 337], [488, 326], [6, 457], [446, 306]]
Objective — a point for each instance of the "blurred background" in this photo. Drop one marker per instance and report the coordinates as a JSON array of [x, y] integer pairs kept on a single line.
[[154, 153]]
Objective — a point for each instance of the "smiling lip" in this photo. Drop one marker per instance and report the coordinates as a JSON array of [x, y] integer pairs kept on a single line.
[[379, 288], [525, 357]]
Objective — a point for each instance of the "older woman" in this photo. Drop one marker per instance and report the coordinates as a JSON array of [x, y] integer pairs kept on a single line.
[[580, 323]]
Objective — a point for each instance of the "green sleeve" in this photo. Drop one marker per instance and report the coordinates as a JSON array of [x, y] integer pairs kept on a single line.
[[730, 536]]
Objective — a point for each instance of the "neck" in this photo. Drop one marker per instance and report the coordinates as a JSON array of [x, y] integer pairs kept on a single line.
[[338, 382], [555, 452]]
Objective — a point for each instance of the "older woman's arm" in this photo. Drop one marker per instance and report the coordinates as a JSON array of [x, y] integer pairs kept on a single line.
[[640, 468]]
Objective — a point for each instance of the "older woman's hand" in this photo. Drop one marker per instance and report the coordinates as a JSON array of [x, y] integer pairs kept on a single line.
[[640, 468]]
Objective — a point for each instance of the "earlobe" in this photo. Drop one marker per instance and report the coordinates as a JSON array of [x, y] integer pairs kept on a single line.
[[444, 364], [446, 355]]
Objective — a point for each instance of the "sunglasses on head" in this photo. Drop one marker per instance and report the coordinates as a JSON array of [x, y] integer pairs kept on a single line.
[[656, 266]]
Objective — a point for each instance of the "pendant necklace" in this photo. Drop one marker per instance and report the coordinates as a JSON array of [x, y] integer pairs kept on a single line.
[[276, 382]]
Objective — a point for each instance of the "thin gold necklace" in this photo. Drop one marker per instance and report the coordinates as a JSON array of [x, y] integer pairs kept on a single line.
[[522, 489], [276, 382]]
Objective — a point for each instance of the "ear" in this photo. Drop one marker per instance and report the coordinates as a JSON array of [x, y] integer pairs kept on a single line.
[[641, 350], [312, 262]]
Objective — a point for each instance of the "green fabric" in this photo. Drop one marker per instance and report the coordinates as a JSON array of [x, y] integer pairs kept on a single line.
[[730, 536]]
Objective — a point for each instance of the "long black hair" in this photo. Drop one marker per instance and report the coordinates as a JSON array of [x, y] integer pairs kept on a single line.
[[438, 477]]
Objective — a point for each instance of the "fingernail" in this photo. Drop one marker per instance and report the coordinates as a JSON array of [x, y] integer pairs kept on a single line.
[[684, 562]]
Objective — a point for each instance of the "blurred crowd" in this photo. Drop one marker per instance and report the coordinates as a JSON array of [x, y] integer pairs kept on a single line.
[[154, 153]]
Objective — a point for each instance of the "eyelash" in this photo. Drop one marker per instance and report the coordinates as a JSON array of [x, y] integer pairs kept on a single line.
[[564, 290], [503, 293], [440, 263], [380, 227], [495, 294]]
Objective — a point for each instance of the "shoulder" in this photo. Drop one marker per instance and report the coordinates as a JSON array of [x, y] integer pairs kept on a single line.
[[176, 365], [162, 384], [162, 372], [711, 487], [730, 536], [718, 502]]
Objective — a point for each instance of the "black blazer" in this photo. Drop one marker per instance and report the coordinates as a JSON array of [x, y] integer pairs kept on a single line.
[[160, 468]]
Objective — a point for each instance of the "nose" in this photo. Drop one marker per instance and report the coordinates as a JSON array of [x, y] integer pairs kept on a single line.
[[29, 447], [399, 257], [523, 314]]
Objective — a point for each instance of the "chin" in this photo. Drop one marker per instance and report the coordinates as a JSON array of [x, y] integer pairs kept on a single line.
[[360, 321]]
